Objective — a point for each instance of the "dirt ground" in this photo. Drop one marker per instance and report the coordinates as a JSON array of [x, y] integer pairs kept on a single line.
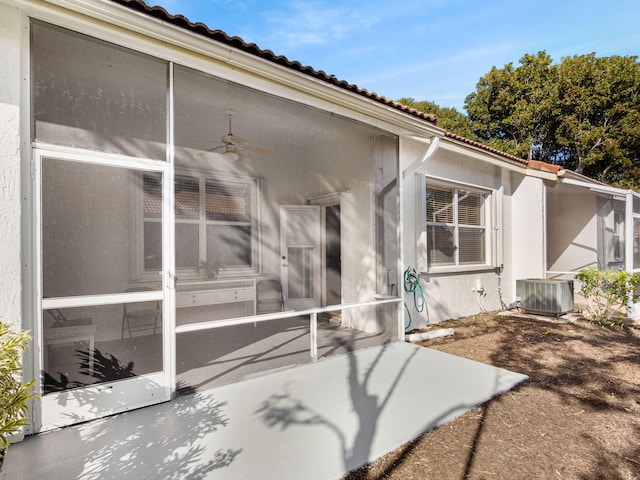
[[577, 417]]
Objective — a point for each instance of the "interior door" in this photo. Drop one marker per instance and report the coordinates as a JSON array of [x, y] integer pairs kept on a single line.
[[105, 294], [332, 256], [300, 248]]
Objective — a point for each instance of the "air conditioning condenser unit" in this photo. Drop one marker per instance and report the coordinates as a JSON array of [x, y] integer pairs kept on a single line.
[[547, 297]]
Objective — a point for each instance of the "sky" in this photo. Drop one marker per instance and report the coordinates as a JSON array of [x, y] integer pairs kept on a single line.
[[434, 50]]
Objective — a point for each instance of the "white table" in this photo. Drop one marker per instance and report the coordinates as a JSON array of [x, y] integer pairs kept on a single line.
[[216, 292]]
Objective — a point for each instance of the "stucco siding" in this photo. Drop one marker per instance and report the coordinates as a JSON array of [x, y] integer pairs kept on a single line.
[[450, 294], [572, 228], [10, 251], [527, 227]]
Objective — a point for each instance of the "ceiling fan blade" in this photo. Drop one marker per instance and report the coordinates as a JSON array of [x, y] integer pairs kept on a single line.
[[213, 149], [251, 148], [239, 154]]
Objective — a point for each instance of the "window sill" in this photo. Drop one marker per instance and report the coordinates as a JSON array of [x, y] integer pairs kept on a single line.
[[459, 269]]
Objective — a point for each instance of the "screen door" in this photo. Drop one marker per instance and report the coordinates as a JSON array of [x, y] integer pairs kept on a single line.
[[300, 236], [104, 260]]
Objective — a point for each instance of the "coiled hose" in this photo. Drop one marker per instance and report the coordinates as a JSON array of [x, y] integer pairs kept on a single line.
[[412, 285]]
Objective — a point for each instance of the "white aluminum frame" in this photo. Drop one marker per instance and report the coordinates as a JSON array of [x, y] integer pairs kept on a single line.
[[633, 309], [311, 312], [492, 211], [63, 408]]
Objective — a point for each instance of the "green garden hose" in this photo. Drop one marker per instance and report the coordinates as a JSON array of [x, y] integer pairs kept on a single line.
[[412, 285]]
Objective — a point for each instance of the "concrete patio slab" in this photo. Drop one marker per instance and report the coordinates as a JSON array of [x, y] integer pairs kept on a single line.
[[316, 421]]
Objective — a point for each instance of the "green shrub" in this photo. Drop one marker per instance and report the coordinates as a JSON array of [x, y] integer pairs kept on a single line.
[[607, 292], [14, 394]]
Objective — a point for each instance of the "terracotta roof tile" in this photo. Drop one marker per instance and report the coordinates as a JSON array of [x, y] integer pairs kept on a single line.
[[544, 166], [237, 42], [462, 139]]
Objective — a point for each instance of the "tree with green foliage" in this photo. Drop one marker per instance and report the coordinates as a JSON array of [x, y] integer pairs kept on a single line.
[[599, 132], [514, 109], [582, 114], [449, 119]]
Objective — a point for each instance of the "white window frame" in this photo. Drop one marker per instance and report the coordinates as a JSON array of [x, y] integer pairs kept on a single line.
[[138, 219], [618, 235], [491, 215]]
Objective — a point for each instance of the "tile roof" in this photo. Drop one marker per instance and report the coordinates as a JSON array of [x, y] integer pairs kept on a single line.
[[534, 164], [251, 48], [462, 139]]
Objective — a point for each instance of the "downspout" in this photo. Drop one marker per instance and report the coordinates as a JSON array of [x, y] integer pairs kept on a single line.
[[431, 151], [434, 143]]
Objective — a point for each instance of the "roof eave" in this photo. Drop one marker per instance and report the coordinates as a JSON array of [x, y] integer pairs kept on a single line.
[[251, 48]]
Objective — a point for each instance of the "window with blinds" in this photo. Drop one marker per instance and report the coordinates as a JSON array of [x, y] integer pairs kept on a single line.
[[214, 222], [456, 226]]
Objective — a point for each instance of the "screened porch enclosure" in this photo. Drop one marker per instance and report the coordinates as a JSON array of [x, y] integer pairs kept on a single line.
[[595, 225], [262, 191], [264, 217]]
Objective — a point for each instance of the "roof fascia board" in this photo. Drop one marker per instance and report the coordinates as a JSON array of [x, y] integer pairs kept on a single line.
[[597, 187], [571, 177], [534, 172], [115, 23], [578, 176]]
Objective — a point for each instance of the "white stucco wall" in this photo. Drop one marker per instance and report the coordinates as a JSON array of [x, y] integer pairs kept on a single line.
[[521, 238], [10, 220], [527, 232], [448, 294]]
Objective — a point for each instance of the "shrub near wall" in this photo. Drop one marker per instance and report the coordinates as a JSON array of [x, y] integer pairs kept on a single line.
[[607, 293], [14, 394]]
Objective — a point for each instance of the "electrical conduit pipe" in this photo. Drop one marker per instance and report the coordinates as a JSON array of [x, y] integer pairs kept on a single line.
[[419, 337]]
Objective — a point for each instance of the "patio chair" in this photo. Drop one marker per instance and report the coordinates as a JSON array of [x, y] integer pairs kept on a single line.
[[269, 297], [140, 317]]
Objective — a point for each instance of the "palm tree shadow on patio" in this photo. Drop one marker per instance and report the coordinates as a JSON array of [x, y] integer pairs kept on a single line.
[[165, 441]]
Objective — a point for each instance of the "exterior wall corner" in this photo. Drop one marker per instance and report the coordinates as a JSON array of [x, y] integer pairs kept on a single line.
[[11, 39]]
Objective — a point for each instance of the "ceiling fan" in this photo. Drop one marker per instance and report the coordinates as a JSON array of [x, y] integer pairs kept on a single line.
[[235, 145]]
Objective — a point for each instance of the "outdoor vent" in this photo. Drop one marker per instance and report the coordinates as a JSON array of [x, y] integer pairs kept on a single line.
[[548, 297]]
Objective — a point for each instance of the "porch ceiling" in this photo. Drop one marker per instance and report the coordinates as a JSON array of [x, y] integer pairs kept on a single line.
[[317, 421], [290, 131]]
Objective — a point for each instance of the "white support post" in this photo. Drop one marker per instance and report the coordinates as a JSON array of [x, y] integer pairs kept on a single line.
[[314, 336], [628, 232], [628, 245]]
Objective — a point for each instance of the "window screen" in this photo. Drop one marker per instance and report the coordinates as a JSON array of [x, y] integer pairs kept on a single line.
[[95, 95]]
